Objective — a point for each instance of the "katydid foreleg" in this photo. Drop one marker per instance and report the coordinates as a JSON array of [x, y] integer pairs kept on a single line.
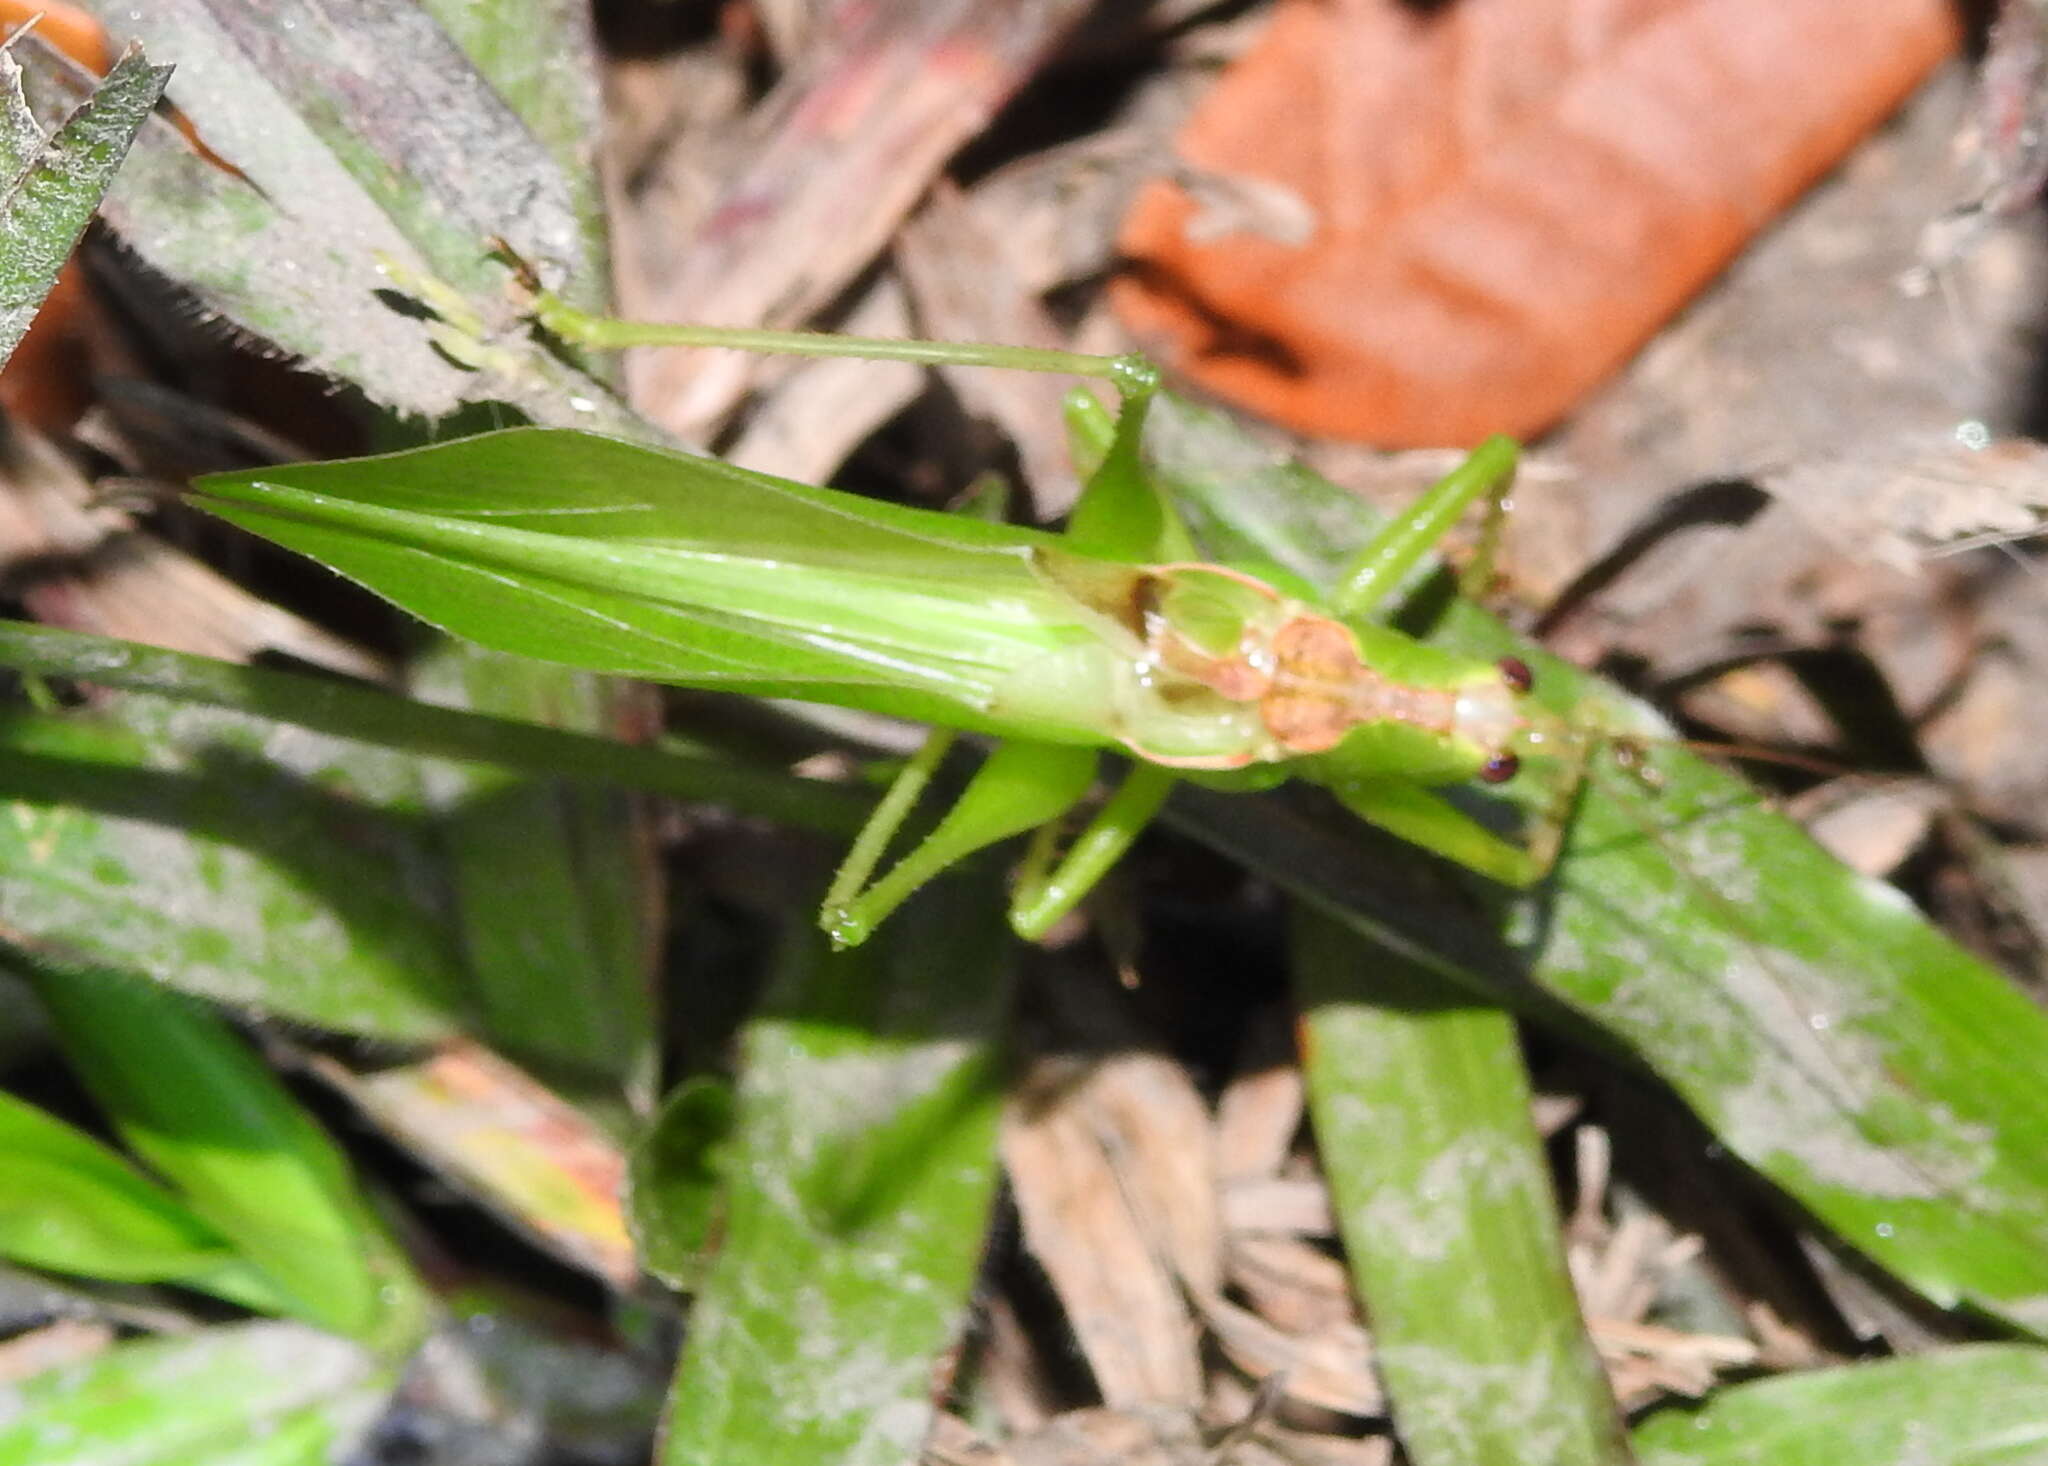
[[1376, 571]]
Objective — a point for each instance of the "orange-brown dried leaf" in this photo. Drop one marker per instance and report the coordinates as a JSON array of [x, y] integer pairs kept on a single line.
[[1507, 196], [73, 30], [47, 380]]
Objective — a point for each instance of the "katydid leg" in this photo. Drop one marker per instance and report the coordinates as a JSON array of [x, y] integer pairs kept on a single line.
[[1022, 785], [1044, 896], [858, 868], [608, 333], [1091, 428], [1122, 514], [1372, 575], [1421, 817]]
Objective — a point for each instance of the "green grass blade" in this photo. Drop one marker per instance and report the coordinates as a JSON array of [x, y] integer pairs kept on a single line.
[[54, 184], [188, 1097], [258, 1394], [71, 1205], [1832, 1038], [553, 882], [215, 854], [1443, 1197], [860, 1176], [367, 715], [1980, 1405]]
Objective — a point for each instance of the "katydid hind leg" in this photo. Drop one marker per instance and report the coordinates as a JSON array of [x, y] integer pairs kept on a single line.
[[611, 333], [1123, 513]]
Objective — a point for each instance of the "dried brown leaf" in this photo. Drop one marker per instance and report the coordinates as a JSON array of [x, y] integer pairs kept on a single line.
[[1155, 1129], [1906, 500], [953, 259], [79, 564], [1296, 1287], [1256, 1121], [1121, 1298], [837, 157], [1329, 1366], [1282, 1205], [56, 1345], [818, 412]]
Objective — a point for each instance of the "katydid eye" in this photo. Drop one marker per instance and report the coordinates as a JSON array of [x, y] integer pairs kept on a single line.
[[1515, 672], [1500, 768]]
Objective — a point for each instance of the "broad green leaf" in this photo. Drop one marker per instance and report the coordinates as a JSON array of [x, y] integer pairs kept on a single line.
[[370, 716], [1978, 1405], [256, 1394], [187, 1096], [358, 185], [228, 857], [71, 1205], [53, 184], [1443, 1196], [1830, 1036], [860, 1177]]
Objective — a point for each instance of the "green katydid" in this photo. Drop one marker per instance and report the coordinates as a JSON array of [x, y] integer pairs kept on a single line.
[[1113, 635]]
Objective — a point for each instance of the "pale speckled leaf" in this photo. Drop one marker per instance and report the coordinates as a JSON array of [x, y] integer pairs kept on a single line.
[[1442, 1189], [860, 1177], [228, 856], [53, 185], [257, 1394], [338, 159], [541, 56], [1978, 1405], [1830, 1036], [20, 137]]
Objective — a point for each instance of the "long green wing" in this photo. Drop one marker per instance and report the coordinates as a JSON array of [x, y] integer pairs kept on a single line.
[[578, 548]]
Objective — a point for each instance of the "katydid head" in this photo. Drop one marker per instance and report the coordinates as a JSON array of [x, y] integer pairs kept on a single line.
[[1295, 683]]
